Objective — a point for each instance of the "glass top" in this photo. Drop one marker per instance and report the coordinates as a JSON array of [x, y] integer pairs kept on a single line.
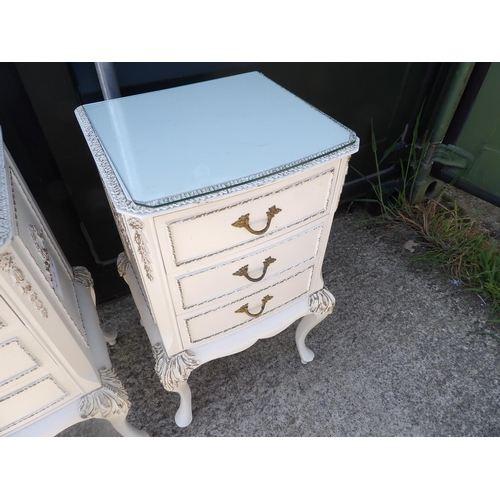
[[172, 144]]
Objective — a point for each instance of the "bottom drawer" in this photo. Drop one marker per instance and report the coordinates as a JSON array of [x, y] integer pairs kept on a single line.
[[29, 401], [265, 300]]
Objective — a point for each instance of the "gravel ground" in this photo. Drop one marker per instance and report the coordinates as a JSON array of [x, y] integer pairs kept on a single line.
[[401, 355]]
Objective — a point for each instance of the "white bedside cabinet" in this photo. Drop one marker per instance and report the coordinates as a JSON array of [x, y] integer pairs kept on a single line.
[[223, 193], [54, 365]]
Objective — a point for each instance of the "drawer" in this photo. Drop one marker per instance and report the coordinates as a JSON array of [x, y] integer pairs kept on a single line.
[[30, 400], [21, 357], [16, 361], [249, 270], [232, 315], [249, 220]]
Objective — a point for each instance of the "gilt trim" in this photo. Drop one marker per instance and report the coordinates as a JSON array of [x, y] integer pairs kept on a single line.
[[110, 399], [7, 264], [83, 276], [321, 302], [172, 371]]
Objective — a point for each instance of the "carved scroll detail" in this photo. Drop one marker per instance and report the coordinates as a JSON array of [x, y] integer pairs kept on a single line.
[[5, 221], [122, 264], [39, 241], [3, 324], [172, 371], [321, 302], [83, 276], [141, 242], [108, 400], [7, 264]]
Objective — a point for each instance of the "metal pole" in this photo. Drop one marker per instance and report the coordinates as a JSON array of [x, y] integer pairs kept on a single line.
[[454, 92], [107, 80]]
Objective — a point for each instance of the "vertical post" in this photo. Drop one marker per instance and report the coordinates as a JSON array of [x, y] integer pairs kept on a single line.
[[454, 91], [107, 80]]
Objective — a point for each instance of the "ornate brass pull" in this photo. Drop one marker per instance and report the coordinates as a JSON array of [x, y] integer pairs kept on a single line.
[[243, 271], [244, 309], [244, 220]]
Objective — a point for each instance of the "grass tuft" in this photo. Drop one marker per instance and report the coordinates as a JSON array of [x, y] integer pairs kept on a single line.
[[457, 243], [454, 240]]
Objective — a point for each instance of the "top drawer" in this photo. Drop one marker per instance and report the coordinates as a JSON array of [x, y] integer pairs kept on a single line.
[[205, 234]]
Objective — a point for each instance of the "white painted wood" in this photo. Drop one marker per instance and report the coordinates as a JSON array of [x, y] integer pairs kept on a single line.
[[196, 236], [15, 361], [222, 320], [217, 282], [55, 370], [29, 400], [9, 321], [202, 135], [181, 167]]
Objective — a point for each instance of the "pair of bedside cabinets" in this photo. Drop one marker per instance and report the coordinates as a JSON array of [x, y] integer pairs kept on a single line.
[[223, 193]]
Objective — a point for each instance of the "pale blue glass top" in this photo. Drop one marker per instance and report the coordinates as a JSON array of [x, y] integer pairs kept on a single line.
[[176, 141]]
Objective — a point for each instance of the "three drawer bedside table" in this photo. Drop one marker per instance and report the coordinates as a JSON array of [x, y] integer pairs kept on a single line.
[[223, 193], [55, 370]]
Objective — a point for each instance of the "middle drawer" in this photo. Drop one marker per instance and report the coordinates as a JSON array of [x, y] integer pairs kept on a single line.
[[218, 281]]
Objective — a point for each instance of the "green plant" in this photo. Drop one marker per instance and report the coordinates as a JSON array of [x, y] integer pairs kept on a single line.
[[399, 202], [454, 240]]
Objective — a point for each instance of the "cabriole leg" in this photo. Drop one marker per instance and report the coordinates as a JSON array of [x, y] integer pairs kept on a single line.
[[321, 304], [122, 426], [111, 403], [173, 373], [184, 414], [110, 337]]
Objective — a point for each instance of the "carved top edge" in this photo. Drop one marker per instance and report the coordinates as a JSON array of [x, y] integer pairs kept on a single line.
[[123, 201], [5, 220]]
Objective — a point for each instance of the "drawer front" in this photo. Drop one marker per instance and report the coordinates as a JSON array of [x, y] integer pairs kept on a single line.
[[224, 319], [249, 270], [29, 401], [203, 235], [16, 361], [21, 357], [9, 321]]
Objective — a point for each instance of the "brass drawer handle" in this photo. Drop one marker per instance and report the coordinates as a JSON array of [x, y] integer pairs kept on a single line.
[[243, 271], [244, 220], [244, 309]]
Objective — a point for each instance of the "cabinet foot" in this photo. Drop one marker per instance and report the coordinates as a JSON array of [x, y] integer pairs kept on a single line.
[[110, 337], [173, 373], [110, 402], [321, 304], [123, 427], [184, 414]]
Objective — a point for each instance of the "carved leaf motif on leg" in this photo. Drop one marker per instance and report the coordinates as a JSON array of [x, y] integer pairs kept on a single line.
[[321, 302], [110, 399], [172, 371], [83, 276], [122, 264]]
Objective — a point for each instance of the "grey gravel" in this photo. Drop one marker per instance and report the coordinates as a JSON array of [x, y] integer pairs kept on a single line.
[[401, 355]]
